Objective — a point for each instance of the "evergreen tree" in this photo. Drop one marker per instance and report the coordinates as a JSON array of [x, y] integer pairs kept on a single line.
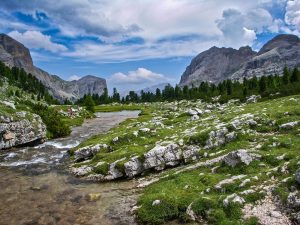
[[89, 103], [286, 75], [262, 84], [295, 75]]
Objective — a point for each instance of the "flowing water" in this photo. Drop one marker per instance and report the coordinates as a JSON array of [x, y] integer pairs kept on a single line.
[[36, 188]]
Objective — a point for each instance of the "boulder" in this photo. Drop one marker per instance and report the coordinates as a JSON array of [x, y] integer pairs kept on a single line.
[[88, 151], [133, 167], [191, 153], [9, 104], [288, 126], [237, 157], [192, 112], [21, 131], [161, 156], [293, 199], [253, 98], [81, 171], [233, 198]]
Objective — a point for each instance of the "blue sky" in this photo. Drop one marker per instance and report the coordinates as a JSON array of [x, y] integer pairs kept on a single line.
[[138, 43]]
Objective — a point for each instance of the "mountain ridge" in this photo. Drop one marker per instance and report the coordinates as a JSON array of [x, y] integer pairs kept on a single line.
[[217, 64], [14, 53]]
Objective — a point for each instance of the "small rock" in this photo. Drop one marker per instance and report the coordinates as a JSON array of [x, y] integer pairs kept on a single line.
[[156, 202], [92, 197], [298, 176], [287, 126]]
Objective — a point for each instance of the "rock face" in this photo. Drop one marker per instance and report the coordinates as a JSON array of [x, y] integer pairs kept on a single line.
[[215, 65], [22, 131], [238, 157], [218, 64], [13, 53], [283, 50]]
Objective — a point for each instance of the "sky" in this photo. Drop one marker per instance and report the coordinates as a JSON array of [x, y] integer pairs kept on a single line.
[[139, 43]]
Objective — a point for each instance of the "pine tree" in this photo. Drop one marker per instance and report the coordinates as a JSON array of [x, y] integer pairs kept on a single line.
[[295, 75], [262, 84], [89, 103], [286, 75]]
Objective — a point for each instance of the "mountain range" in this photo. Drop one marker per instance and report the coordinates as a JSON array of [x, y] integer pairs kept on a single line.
[[218, 64], [15, 54]]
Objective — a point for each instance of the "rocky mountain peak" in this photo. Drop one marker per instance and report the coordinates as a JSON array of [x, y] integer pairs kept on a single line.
[[218, 64], [18, 56], [215, 65], [13, 53], [280, 41]]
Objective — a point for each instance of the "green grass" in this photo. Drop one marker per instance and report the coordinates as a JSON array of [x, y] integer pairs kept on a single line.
[[197, 187]]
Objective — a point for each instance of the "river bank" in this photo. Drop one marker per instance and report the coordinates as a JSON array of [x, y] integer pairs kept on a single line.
[[36, 187]]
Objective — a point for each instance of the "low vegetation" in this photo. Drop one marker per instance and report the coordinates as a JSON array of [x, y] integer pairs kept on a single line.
[[193, 186]]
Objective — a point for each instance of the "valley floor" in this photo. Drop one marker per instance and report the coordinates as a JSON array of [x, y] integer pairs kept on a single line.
[[232, 163]]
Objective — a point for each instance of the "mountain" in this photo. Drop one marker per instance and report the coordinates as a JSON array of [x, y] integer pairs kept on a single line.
[[153, 88], [283, 50], [215, 65], [13, 53], [218, 64]]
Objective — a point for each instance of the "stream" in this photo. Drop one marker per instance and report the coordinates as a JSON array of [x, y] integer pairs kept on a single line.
[[37, 189]]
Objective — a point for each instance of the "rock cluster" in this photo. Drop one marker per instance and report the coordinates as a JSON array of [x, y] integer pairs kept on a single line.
[[21, 130]]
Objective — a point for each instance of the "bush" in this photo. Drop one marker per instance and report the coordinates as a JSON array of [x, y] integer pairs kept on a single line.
[[56, 127], [199, 139]]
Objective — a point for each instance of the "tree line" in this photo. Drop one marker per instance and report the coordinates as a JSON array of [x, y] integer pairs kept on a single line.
[[26, 82], [266, 86]]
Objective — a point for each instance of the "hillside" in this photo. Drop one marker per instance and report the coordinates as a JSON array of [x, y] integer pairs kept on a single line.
[[231, 163], [13, 53]]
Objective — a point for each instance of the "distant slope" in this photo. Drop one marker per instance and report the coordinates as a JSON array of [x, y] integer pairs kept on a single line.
[[13, 53], [152, 89], [218, 64]]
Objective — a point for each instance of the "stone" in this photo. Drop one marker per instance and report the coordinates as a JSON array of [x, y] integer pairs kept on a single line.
[[133, 167], [21, 131], [192, 112], [161, 156], [293, 199], [81, 171], [8, 136], [233, 198], [93, 197], [9, 104], [253, 98], [144, 130], [195, 117], [114, 172], [297, 176], [237, 157], [191, 153], [115, 139], [288, 126], [88, 151], [156, 202], [229, 181], [191, 213]]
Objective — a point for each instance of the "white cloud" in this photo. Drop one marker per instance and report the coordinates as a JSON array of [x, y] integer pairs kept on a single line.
[[292, 16], [222, 23], [74, 77], [139, 76], [37, 40]]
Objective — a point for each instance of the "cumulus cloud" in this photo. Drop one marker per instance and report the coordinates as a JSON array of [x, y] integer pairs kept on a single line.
[[37, 40], [139, 76], [74, 77], [162, 25], [292, 16]]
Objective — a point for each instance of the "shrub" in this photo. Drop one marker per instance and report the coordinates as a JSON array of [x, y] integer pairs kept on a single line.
[[56, 127]]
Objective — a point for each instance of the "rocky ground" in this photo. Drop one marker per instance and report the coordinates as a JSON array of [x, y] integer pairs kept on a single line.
[[217, 163]]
